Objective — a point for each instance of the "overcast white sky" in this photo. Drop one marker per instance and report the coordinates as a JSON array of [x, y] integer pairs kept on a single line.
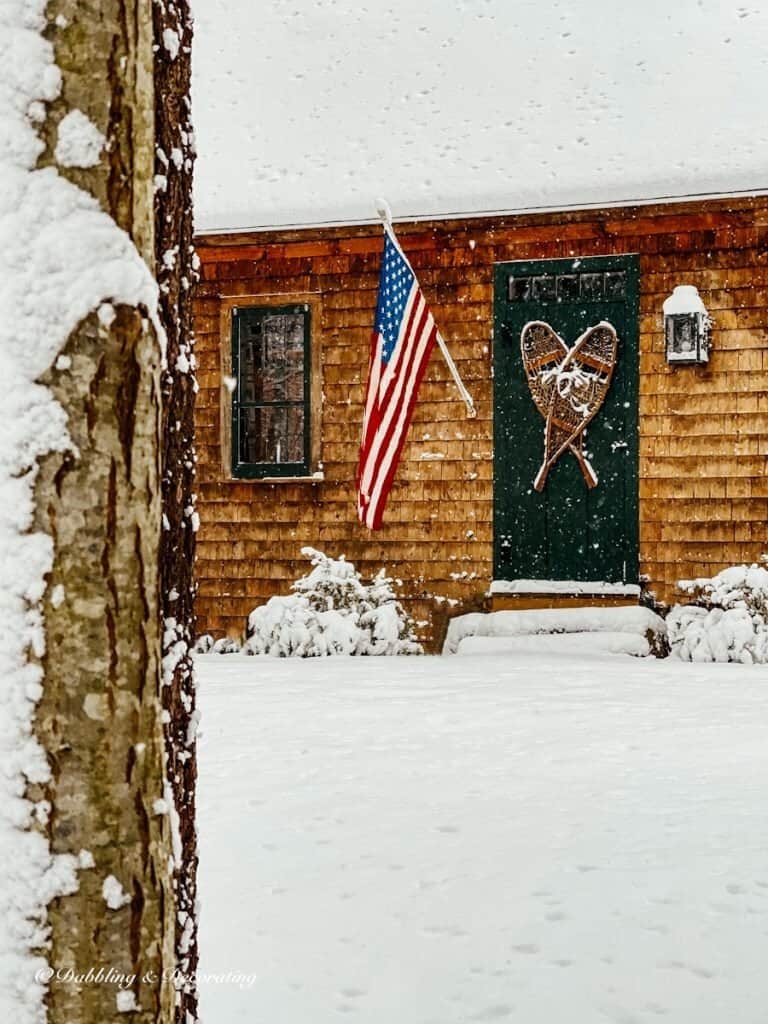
[[306, 110]]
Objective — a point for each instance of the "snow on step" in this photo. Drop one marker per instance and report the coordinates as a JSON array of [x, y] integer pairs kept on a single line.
[[593, 587], [558, 643], [633, 619]]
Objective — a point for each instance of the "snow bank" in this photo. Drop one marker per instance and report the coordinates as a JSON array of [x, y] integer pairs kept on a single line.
[[635, 619], [332, 612], [729, 621], [582, 644], [538, 839], [61, 257]]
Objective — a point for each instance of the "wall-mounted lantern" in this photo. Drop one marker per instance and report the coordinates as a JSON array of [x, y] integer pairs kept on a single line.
[[687, 326]]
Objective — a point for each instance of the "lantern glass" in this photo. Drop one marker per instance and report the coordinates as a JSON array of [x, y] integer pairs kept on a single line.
[[686, 327], [683, 338]]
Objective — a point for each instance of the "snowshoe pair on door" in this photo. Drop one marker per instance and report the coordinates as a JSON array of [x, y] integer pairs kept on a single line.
[[568, 386]]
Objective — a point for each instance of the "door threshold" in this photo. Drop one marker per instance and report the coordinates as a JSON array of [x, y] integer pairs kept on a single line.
[[520, 595]]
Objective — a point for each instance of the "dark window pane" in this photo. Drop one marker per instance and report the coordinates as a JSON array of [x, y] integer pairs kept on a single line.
[[591, 286], [519, 289], [616, 285], [544, 287], [271, 435], [251, 361], [284, 378], [568, 287], [272, 359]]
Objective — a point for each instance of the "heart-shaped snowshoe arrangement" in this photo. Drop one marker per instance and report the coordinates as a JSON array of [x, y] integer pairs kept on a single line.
[[568, 386]]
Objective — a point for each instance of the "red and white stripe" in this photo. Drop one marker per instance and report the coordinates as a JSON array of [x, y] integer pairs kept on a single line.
[[390, 400]]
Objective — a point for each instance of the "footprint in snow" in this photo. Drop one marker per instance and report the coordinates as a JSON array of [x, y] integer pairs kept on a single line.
[[675, 965], [702, 972], [661, 929], [680, 965], [493, 1012], [526, 947], [441, 929]]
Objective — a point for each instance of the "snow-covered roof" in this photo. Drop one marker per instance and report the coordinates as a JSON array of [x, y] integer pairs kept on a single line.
[[306, 110]]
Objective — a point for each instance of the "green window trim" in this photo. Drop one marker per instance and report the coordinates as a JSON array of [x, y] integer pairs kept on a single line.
[[256, 400]]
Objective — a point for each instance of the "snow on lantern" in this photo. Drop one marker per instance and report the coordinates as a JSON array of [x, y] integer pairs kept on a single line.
[[687, 326]]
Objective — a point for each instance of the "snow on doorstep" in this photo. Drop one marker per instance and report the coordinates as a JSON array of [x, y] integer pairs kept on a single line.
[[632, 619], [564, 587], [578, 644], [294, 127], [541, 839]]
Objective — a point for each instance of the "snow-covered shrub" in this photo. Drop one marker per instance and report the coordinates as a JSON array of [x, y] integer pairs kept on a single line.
[[728, 622], [290, 627], [226, 645], [205, 644], [332, 612]]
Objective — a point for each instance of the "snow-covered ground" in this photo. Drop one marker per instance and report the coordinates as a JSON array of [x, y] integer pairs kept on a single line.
[[529, 837]]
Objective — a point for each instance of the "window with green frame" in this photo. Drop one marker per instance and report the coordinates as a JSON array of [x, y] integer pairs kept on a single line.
[[271, 396]]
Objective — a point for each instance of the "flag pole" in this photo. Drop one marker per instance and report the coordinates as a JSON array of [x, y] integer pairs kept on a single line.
[[385, 215]]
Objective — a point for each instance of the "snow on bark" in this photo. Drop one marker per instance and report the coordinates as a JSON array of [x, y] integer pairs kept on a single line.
[[114, 894], [79, 142], [61, 257], [176, 267]]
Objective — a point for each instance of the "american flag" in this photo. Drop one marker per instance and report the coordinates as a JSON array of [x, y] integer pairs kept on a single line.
[[403, 337]]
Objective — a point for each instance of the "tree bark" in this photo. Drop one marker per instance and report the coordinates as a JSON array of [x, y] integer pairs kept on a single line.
[[176, 271], [100, 716]]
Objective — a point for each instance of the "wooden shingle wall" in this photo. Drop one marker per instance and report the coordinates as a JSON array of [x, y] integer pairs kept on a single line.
[[703, 431]]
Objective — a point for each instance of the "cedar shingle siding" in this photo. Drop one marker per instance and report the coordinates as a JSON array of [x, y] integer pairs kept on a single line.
[[703, 500]]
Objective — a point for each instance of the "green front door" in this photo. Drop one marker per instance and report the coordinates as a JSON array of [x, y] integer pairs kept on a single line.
[[567, 531]]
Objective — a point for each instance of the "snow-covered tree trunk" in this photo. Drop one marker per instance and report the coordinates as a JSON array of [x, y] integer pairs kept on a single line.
[[176, 269], [100, 719]]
